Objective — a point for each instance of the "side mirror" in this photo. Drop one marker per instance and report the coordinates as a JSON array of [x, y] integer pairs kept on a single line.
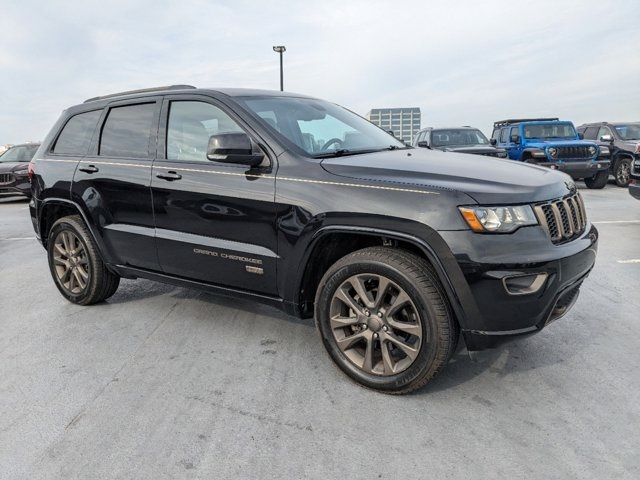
[[515, 138], [493, 142], [581, 136], [390, 132], [606, 138], [233, 148], [423, 144]]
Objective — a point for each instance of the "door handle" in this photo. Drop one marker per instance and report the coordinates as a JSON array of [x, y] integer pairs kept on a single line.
[[170, 176], [89, 169]]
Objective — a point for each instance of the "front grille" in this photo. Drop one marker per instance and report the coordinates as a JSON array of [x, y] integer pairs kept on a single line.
[[6, 177], [573, 153], [563, 219]]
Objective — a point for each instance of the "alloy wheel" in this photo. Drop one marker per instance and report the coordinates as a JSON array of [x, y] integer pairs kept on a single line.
[[623, 173], [375, 324], [71, 262]]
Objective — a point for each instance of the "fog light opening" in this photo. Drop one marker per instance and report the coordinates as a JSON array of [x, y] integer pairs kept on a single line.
[[524, 284]]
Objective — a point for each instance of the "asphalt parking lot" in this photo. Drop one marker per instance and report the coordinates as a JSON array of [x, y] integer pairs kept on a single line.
[[163, 382]]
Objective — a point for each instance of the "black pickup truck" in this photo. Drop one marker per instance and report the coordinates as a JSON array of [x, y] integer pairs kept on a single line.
[[301, 204]]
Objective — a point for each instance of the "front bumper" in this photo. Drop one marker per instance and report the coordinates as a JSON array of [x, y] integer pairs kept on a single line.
[[499, 315], [578, 169], [634, 189], [18, 186]]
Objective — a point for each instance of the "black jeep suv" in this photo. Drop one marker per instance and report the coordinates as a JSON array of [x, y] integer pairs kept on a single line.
[[622, 140], [302, 204], [459, 140]]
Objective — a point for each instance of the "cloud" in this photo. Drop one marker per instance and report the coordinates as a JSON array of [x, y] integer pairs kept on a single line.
[[463, 62]]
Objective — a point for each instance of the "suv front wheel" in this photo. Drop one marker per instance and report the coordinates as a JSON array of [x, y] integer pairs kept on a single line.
[[598, 181], [385, 320], [75, 264], [622, 172]]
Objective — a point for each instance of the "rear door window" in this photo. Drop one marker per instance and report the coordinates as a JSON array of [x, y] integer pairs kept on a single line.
[[590, 133], [76, 134], [127, 131]]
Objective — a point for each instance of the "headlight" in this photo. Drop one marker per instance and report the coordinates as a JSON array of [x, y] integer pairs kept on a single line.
[[21, 172], [553, 152], [498, 219], [604, 151], [592, 150]]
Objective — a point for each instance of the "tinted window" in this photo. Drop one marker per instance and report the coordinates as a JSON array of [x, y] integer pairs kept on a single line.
[[76, 134], [514, 131], [127, 131], [590, 133], [603, 131], [22, 153], [190, 126]]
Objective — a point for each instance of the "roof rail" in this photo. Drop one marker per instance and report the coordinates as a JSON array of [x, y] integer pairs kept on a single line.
[[141, 90], [503, 123]]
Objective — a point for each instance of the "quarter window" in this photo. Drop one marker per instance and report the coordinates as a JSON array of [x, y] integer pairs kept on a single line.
[[190, 126], [76, 134], [127, 131]]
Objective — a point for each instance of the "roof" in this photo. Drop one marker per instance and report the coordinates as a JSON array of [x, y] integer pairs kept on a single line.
[[230, 92], [590, 124], [464, 127], [512, 121]]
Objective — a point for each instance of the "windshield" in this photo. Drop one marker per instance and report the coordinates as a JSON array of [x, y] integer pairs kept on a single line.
[[320, 128], [551, 130], [457, 137], [22, 153], [629, 132]]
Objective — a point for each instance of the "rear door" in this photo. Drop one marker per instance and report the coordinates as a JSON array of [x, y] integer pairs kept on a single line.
[[215, 222], [113, 182]]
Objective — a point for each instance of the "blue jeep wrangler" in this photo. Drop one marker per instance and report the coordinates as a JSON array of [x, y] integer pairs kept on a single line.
[[552, 143]]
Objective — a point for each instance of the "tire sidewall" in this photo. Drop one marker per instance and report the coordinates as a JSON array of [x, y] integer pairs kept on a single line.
[[59, 226], [430, 330]]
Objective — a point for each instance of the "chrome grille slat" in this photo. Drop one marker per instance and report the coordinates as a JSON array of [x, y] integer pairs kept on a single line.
[[564, 219], [6, 177]]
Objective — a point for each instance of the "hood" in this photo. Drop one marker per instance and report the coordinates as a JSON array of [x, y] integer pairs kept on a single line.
[[473, 149], [487, 180], [6, 167], [559, 143]]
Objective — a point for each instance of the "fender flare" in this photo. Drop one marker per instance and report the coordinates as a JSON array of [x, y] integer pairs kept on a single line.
[[435, 250], [76, 206]]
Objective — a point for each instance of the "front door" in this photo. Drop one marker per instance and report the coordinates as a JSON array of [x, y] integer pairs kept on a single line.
[[215, 222]]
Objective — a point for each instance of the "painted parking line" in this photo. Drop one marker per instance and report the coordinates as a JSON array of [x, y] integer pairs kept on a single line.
[[18, 238], [615, 221], [633, 260]]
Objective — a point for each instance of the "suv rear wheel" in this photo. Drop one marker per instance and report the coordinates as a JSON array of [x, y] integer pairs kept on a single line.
[[622, 172], [385, 320], [598, 181], [75, 264]]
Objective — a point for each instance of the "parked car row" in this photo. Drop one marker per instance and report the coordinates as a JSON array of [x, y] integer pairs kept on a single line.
[[590, 153], [14, 175]]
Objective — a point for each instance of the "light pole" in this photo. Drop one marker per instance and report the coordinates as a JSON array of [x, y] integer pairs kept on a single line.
[[280, 49]]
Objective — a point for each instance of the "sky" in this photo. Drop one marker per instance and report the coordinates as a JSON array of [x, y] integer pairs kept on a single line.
[[462, 62]]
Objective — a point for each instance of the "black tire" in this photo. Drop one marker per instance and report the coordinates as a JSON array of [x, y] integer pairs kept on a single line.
[[420, 282], [598, 181], [101, 283], [622, 171]]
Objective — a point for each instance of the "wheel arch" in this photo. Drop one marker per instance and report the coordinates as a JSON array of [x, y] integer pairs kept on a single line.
[[52, 209], [433, 249]]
